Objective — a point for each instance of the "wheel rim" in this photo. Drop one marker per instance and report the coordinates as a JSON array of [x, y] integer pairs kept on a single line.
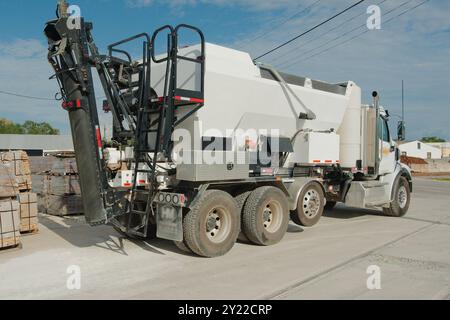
[[402, 197], [218, 224], [311, 203], [272, 216]]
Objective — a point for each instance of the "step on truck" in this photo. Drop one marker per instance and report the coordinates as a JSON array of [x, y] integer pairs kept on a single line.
[[208, 146]]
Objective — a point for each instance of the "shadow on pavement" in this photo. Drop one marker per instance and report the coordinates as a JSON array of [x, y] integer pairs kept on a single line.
[[75, 231], [343, 212]]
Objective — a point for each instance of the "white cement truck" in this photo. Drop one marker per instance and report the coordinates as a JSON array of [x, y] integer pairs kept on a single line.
[[209, 146]]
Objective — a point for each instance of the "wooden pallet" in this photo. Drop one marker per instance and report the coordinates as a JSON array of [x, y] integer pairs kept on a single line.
[[9, 243], [26, 228]]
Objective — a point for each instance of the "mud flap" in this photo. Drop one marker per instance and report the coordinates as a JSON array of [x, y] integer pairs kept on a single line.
[[169, 220]]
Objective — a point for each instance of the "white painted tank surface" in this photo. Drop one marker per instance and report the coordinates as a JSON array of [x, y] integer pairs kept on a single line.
[[242, 95]]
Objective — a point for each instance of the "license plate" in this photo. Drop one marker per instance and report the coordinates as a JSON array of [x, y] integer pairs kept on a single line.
[[169, 222]]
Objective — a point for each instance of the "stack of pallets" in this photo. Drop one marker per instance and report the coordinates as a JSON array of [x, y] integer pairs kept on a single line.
[[9, 214], [20, 171], [56, 182]]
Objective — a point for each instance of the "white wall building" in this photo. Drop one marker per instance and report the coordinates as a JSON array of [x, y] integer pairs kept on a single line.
[[444, 146], [35, 145], [421, 150]]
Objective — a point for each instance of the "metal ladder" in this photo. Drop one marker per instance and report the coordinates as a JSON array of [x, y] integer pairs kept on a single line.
[[156, 115]]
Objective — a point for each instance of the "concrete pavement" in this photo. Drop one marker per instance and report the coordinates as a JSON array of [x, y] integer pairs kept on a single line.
[[328, 261]]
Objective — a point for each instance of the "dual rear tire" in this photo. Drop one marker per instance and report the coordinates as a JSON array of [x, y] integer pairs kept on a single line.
[[211, 227], [265, 216], [213, 224]]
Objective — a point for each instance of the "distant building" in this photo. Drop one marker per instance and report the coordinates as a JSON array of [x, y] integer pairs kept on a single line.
[[444, 146], [418, 149], [35, 145]]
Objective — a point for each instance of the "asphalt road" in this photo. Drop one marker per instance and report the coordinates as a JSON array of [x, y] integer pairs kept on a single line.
[[328, 261]]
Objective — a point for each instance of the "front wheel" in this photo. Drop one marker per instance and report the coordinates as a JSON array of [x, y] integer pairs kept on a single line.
[[310, 205], [401, 199]]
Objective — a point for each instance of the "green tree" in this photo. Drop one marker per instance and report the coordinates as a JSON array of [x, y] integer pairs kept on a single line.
[[9, 127], [432, 140], [29, 127]]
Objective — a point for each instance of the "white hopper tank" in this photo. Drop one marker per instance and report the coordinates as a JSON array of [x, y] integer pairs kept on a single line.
[[242, 95]]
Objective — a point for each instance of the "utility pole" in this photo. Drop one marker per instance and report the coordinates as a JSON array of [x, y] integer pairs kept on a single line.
[[401, 124], [403, 101]]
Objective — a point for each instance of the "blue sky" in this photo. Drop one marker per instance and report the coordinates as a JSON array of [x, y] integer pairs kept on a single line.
[[414, 47]]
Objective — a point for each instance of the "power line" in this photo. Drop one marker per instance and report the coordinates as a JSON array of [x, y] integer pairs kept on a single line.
[[324, 34], [359, 34], [308, 31], [25, 96], [289, 63], [280, 24]]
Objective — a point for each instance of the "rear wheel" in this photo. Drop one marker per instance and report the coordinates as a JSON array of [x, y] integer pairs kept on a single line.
[[401, 199], [265, 217], [241, 200], [211, 227], [310, 205]]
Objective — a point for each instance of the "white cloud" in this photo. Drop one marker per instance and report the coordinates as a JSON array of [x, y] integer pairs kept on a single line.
[[23, 48], [25, 70]]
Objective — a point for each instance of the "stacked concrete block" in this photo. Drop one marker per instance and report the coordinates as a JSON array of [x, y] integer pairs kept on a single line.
[[56, 182], [19, 188], [20, 166], [28, 209], [9, 224], [9, 208]]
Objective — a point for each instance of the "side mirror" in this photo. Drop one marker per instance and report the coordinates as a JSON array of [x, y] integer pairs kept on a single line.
[[397, 154], [401, 131]]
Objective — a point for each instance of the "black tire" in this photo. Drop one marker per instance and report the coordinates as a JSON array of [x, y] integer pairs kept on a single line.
[[401, 199], [241, 200], [310, 205], [265, 217], [215, 210], [330, 205]]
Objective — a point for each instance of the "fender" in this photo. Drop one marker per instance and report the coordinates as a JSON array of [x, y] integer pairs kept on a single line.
[[293, 190], [401, 170]]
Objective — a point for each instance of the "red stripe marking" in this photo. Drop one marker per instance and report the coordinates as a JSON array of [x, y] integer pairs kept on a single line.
[[328, 161], [141, 181], [197, 100], [179, 98], [127, 184], [316, 161], [99, 137]]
